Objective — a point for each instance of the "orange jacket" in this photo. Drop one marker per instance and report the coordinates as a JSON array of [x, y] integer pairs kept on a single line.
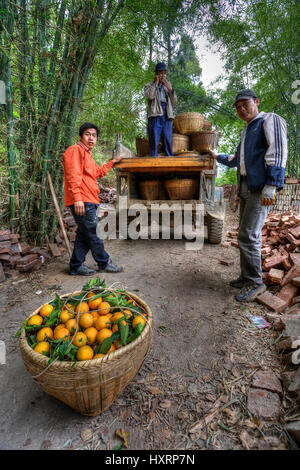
[[80, 175]]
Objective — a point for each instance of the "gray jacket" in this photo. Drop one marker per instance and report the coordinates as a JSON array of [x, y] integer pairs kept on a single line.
[[154, 107]]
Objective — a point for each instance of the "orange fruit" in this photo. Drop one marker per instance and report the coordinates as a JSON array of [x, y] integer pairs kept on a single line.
[[103, 334], [82, 308], [86, 320], [115, 327], [80, 339], [71, 325], [130, 301], [127, 313], [103, 321], [95, 316], [41, 334], [91, 334], [62, 333], [104, 308], [46, 310], [91, 294], [94, 304], [84, 353], [97, 356], [35, 320], [42, 347], [57, 328], [137, 320], [116, 316], [65, 316]]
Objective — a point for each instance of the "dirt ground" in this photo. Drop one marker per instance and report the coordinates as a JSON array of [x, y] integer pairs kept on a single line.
[[203, 355]]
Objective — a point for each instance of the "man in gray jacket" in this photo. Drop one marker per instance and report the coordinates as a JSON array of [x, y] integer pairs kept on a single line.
[[161, 101]]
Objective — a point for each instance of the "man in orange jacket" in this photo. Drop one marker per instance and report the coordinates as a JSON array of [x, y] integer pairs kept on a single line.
[[81, 195]]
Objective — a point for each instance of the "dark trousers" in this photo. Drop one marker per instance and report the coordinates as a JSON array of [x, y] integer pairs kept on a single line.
[[87, 238], [160, 127]]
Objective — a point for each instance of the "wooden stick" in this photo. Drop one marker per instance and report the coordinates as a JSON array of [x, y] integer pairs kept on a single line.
[[59, 216]]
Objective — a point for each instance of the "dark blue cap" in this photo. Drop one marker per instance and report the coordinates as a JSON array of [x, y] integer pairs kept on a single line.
[[160, 66], [244, 95]]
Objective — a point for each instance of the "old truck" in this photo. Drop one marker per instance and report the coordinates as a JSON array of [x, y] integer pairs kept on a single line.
[[133, 170]]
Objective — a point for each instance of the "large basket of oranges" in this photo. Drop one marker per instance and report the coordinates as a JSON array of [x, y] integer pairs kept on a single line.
[[84, 348]]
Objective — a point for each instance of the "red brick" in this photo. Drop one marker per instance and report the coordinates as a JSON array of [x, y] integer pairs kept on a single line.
[[267, 380], [29, 266], [295, 258], [294, 272], [272, 302], [5, 244], [264, 404], [5, 257], [234, 243], [288, 293], [54, 249], [273, 262], [25, 249], [286, 264], [27, 259], [223, 244], [14, 237], [275, 275], [296, 281], [294, 241], [295, 231]]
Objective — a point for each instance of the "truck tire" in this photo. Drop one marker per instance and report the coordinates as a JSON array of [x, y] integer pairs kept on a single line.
[[214, 230]]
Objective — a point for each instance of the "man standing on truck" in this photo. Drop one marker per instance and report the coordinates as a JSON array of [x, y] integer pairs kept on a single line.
[[81, 195], [161, 101], [260, 159]]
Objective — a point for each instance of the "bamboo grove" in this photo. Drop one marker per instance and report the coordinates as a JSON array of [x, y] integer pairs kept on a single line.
[[50, 47]]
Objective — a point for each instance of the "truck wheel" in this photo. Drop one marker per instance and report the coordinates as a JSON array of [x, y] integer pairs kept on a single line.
[[214, 230]]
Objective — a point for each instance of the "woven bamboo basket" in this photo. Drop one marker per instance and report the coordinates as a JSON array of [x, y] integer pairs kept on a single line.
[[183, 188], [179, 143], [143, 148], [202, 141], [90, 387], [188, 123], [149, 189]]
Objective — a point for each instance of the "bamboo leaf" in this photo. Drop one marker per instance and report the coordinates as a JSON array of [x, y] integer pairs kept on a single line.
[[124, 332]]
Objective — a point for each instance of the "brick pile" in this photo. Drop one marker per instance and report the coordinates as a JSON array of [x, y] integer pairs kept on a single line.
[[16, 257]]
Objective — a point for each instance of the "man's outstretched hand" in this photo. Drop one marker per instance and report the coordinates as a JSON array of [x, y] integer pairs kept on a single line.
[[117, 158], [213, 153]]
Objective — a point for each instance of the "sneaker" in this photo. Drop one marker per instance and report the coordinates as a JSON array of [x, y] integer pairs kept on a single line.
[[249, 293], [83, 270], [239, 283], [111, 267]]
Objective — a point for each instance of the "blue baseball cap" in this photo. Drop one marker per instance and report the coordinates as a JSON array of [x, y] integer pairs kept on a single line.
[[160, 66], [245, 95]]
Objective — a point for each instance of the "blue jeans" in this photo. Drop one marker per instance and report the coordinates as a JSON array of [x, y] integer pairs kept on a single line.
[[252, 218], [160, 127], [87, 239]]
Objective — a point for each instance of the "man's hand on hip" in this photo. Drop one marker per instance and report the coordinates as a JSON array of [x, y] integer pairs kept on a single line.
[[79, 208], [268, 195]]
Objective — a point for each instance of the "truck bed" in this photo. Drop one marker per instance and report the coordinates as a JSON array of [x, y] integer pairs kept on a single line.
[[166, 164]]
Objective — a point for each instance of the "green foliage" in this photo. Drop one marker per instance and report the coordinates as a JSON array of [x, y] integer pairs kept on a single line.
[[229, 176], [261, 44]]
